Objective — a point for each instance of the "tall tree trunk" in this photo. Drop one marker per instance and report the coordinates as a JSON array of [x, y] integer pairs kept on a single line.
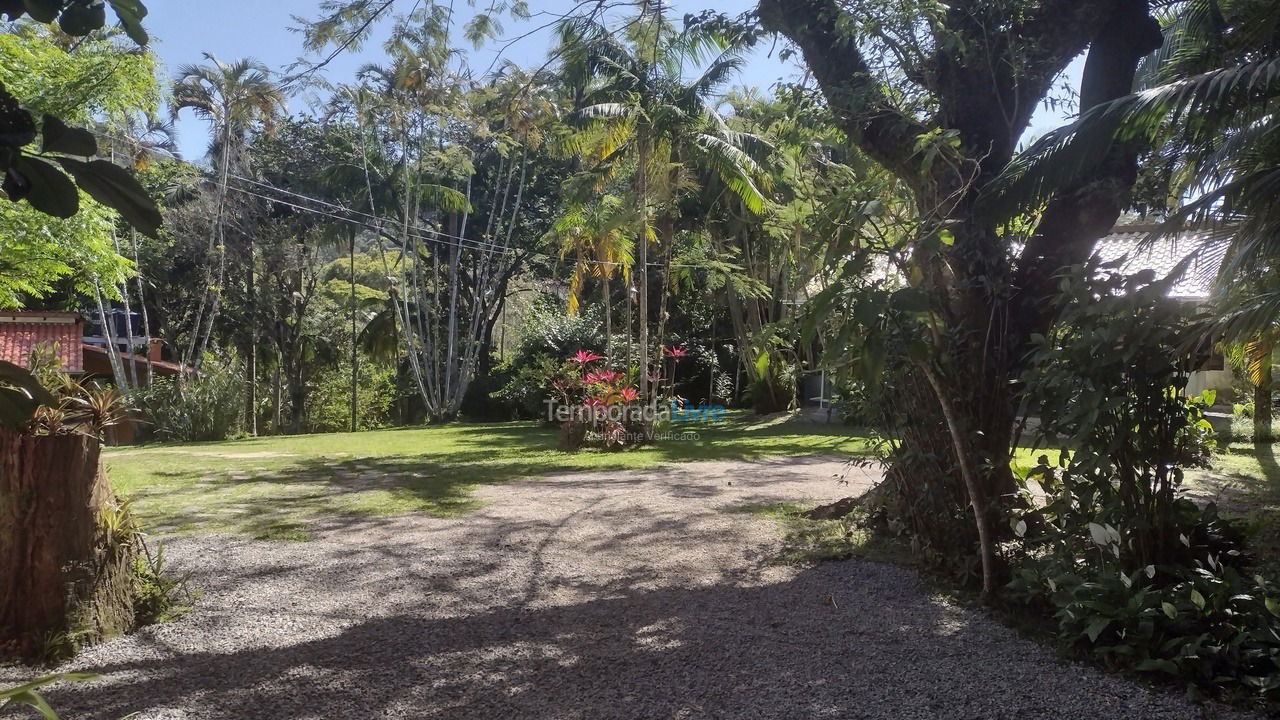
[[608, 316], [128, 310], [630, 292], [251, 362], [217, 244], [666, 236], [451, 340], [142, 307], [297, 392], [113, 353], [355, 357], [642, 268], [276, 400], [132, 367]]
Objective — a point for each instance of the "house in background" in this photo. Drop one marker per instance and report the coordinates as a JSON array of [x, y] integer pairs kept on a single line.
[[1124, 244], [126, 330], [82, 351], [21, 332]]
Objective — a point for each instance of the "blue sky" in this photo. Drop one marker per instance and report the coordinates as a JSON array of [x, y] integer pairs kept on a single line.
[[182, 30]]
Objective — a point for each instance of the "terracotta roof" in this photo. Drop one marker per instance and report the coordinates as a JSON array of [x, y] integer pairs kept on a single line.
[[22, 331], [1125, 243]]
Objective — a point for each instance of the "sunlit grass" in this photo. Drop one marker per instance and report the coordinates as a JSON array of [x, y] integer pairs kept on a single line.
[[806, 541], [1245, 483], [276, 487]]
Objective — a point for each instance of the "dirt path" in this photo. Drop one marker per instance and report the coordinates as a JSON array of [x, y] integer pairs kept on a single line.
[[588, 595]]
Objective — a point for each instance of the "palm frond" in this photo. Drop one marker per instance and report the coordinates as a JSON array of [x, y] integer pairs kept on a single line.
[[1066, 155], [443, 198], [736, 168]]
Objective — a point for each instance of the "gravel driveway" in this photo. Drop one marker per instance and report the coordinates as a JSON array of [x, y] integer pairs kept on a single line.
[[587, 595]]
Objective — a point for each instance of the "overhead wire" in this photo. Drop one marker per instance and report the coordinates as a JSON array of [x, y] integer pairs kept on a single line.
[[377, 224]]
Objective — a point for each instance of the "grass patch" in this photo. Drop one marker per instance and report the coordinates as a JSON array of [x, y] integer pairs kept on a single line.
[[808, 542], [277, 487], [1245, 483]]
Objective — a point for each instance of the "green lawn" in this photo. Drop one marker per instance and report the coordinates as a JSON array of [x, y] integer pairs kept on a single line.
[[1245, 482], [274, 487]]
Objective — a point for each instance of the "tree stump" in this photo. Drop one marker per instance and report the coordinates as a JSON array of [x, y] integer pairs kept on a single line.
[[66, 549]]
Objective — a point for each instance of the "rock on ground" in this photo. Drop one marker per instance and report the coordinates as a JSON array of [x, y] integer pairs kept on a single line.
[[635, 594]]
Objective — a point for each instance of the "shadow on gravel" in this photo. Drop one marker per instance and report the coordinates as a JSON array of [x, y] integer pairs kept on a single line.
[[847, 640], [585, 610]]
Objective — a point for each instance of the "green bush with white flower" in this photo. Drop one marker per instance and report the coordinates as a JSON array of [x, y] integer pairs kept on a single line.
[[1134, 574]]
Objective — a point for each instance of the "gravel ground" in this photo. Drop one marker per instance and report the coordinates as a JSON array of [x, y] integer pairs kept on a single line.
[[586, 595]]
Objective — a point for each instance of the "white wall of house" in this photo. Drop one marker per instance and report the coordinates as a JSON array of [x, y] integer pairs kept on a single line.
[[1218, 380]]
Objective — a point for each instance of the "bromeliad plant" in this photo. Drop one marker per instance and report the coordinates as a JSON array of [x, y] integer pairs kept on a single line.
[[70, 406], [597, 403], [27, 694]]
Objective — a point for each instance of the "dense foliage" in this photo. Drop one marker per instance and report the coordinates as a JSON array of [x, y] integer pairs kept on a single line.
[[429, 241], [1133, 571]]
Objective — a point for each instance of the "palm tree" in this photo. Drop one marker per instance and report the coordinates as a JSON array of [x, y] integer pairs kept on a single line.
[[596, 236], [641, 114], [234, 98]]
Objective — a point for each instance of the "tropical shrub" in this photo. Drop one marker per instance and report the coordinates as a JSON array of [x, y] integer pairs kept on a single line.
[[549, 336], [209, 406], [772, 371], [528, 386], [1206, 623], [329, 401], [1132, 572], [549, 332], [597, 405], [85, 407]]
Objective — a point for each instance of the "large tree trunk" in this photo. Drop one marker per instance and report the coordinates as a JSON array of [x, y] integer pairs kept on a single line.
[[986, 86], [1262, 412], [67, 580]]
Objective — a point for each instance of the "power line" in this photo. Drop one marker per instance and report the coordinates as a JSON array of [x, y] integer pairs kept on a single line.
[[433, 235], [353, 211], [436, 236], [354, 221]]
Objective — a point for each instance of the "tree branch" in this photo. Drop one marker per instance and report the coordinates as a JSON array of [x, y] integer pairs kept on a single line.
[[882, 131], [1079, 215], [996, 66]]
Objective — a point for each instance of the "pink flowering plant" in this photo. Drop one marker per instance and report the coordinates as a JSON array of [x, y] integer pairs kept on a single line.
[[595, 404], [675, 354]]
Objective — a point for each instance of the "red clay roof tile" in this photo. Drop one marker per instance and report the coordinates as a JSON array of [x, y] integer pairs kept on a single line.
[[21, 332]]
